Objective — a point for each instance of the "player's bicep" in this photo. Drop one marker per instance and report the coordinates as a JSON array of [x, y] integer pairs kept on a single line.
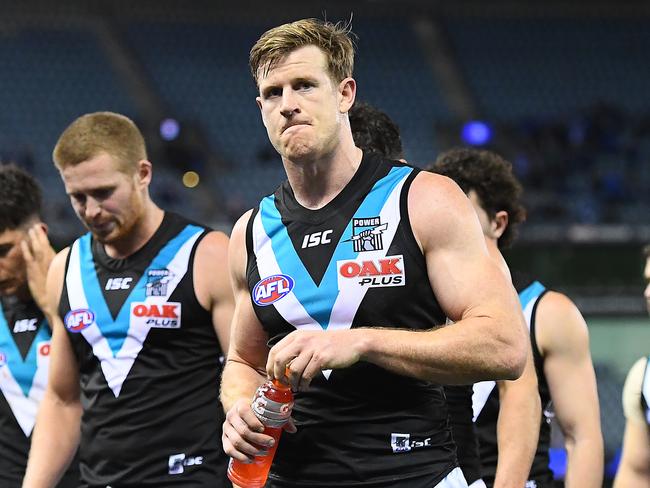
[[465, 279], [563, 337], [248, 340], [212, 283]]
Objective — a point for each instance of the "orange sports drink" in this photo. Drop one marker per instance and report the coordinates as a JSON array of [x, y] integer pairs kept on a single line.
[[272, 405]]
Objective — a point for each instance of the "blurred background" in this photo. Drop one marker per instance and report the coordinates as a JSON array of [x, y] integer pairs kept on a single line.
[[560, 88]]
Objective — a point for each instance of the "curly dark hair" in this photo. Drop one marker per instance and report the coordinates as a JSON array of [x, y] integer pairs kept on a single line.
[[20, 199], [374, 131], [491, 177]]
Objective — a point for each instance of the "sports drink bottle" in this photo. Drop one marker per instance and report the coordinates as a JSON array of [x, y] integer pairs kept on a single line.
[[272, 405]]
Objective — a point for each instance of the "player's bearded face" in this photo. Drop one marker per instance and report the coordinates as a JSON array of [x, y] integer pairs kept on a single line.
[[299, 105], [106, 199]]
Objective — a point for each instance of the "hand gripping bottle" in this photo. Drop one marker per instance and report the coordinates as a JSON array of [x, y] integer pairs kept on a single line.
[[272, 405]]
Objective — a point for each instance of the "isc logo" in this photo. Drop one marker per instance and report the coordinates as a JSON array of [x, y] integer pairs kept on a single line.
[[388, 271], [163, 316], [316, 239], [25, 325], [178, 462], [271, 289], [78, 319], [118, 283]]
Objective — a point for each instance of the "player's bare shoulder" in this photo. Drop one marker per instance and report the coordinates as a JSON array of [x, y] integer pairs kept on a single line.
[[559, 324], [437, 207]]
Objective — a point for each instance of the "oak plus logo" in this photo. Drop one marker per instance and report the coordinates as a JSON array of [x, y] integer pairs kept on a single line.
[[25, 325], [367, 234], [178, 462], [156, 315], [371, 273], [3, 359]]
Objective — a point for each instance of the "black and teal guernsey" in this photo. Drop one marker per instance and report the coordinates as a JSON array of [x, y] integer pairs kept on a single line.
[[459, 402], [645, 391], [149, 363], [353, 263], [24, 359], [486, 398]]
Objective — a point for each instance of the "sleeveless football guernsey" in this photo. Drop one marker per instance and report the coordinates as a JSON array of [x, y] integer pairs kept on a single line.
[[353, 263], [459, 402], [148, 361], [486, 398], [24, 359]]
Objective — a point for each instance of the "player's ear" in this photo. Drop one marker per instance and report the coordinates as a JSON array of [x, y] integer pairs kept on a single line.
[[499, 223], [347, 91]]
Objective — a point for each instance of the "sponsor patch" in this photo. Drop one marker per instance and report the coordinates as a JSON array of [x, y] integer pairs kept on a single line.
[[371, 273], [3, 359], [166, 315], [271, 289], [79, 319]]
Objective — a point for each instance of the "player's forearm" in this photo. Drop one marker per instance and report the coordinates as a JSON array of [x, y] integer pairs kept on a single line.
[[54, 442], [585, 461], [517, 435], [239, 380], [462, 353]]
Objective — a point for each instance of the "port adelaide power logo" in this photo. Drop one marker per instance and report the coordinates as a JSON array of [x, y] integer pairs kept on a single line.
[[367, 234]]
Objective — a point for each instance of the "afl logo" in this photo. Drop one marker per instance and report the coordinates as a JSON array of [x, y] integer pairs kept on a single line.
[[271, 289], [3, 359], [77, 320]]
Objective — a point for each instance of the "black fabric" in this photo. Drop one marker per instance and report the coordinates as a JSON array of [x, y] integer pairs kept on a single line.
[[168, 405], [24, 321], [350, 424], [459, 402]]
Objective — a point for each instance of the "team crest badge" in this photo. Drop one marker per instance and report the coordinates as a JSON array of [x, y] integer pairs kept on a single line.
[[367, 234], [157, 280]]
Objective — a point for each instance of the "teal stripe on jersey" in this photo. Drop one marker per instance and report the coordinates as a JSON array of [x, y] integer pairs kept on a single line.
[[531, 292], [115, 330], [23, 371], [318, 300]]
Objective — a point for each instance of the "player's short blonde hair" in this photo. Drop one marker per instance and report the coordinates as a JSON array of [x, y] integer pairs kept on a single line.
[[335, 40], [100, 132]]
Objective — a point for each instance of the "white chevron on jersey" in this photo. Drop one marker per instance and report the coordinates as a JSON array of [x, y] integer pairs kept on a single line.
[[25, 407], [347, 303], [116, 367]]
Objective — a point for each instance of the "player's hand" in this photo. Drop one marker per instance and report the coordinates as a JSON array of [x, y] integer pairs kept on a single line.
[[306, 353], [242, 436], [38, 255]]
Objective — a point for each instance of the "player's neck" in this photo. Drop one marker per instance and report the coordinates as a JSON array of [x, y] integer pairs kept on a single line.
[[495, 253], [141, 232], [318, 182]]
